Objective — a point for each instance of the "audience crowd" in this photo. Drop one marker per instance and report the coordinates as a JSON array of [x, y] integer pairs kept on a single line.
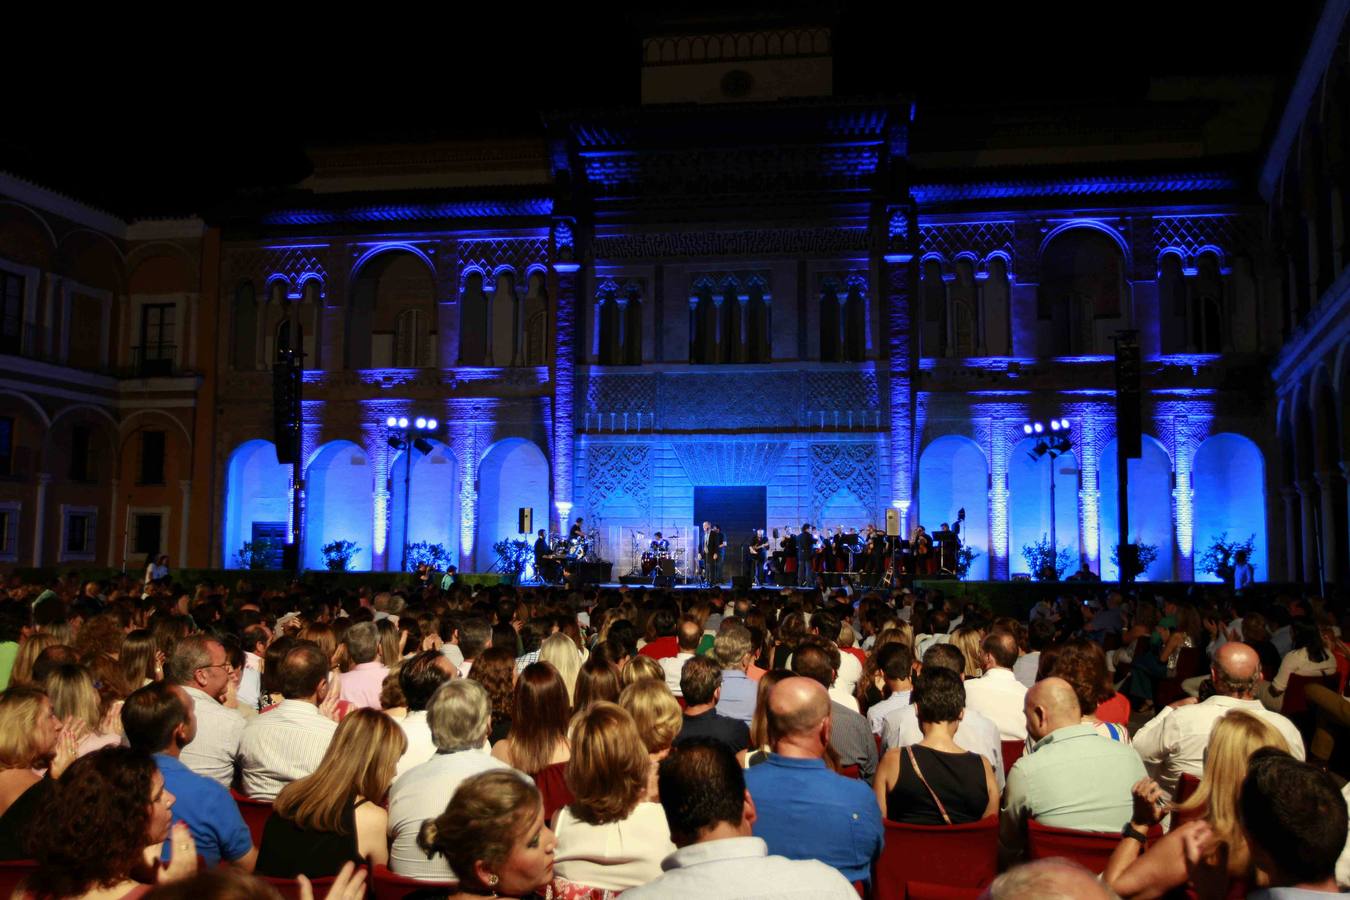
[[514, 742]]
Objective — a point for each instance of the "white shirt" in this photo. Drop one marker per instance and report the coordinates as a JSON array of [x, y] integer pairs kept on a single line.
[[615, 856], [976, 733], [422, 793], [1024, 670], [850, 670], [420, 746], [1296, 662], [282, 745], [877, 712], [453, 653], [215, 749], [1343, 862], [843, 698], [673, 666], [1000, 696], [1174, 741], [742, 868], [923, 641]]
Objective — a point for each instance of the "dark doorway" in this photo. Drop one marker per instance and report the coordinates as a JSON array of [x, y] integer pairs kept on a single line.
[[739, 511]]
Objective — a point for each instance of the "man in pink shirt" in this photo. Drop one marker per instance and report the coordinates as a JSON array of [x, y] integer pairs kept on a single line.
[[361, 685]]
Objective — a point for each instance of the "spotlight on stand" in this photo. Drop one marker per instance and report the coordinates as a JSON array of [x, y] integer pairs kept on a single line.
[[406, 439], [1057, 442]]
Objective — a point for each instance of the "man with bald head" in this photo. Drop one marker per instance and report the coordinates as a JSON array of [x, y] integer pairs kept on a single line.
[[805, 810], [1071, 778], [997, 693], [1173, 743]]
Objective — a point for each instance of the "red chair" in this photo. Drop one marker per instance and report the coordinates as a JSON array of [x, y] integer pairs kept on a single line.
[[1296, 692], [289, 888], [1342, 673], [385, 885], [552, 785], [1091, 848], [1186, 787], [952, 855], [850, 771], [1188, 666], [1012, 752], [923, 890], [255, 813], [13, 872]]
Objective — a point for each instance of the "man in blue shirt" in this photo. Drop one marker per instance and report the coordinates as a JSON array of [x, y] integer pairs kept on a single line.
[[805, 810], [733, 650], [159, 719]]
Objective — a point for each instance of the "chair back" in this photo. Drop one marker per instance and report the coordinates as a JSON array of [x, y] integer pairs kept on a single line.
[[385, 885], [13, 872], [552, 785], [1296, 692], [1186, 787], [923, 890], [1012, 752], [289, 888], [850, 771], [1091, 848], [953, 855], [255, 813]]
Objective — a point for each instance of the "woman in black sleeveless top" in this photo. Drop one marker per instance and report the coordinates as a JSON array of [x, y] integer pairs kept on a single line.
[[936, 782]]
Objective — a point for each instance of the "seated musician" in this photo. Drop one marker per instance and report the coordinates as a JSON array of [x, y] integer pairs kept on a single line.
[[659, 544], [542, 557]]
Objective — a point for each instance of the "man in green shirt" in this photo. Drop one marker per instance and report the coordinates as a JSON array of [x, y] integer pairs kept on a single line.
[[1072, 778]]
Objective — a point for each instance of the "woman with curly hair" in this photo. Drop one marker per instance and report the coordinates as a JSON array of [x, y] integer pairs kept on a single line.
[[326, 819], [1082, 664], [495, 670], [105, 825]]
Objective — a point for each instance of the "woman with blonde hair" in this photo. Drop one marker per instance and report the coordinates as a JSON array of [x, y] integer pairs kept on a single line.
[[760, 745], [1133, 872], [333, 816], [611, 836], [31, 738], [640, 668], [659, 719], [75, 700], [559, 650], [29, 650], [968, 640]]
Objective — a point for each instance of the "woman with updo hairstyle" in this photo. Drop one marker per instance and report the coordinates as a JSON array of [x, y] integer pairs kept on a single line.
[[1082, 664], [639, 668], [539, 716], [494, 837], [659, 720], [611, 837], [495, 670], [104, 824], [598, 680]]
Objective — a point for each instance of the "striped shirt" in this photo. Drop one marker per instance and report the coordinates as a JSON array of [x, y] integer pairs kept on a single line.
[[282, 745], [215, 749]]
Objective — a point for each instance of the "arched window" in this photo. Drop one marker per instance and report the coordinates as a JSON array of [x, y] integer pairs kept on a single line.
[[1172, 304], [759, 332], [703, 330], [284, 340], [997, 341], [933, 320], [388, 285], [1082, 285], [963, 316], [410, 338], [536, 322], [245, 338], [855, 324], [611, 327], [1207, 321], [632, 330], [473, 336], [831, 349]]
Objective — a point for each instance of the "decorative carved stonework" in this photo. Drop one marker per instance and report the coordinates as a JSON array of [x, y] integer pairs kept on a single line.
[[836, 467], [492, 253], [730, 463], [615, 469], [775, 241]]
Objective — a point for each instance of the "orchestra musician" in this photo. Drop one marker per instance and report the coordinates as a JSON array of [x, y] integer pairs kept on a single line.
[[925, 562], [786, 572], [544, 562], [758, 552]]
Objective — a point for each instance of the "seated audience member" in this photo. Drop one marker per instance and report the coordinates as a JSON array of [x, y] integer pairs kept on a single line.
[[610, 837], [418, 678], [976, 732], [1185, 631], [712, 818], [1295, 823], [158, 720], [1048, 879], [850, 735], [361, 685], [997, 693], [31, 738], [935, 782], [1309, 658], [333, 816], [475, 636], [807, 811], [733, 651], [493, 836], [495, 670], [597, 682], [199, 665], [230, 884], [968, 641], [1134, 872], [288, 741], [760, 744], [895, 671], [99, 835], [559, 651], [1082, 664], [1040, 635], [1174, 741], [538, 736], [459, 714], [75, 699], [701, 685], [1072, 777], [827, 626], [687, 640], [658, 719], [638, 668], [662, 630]]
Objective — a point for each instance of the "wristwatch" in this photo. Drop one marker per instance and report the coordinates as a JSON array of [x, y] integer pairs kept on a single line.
[[1130, 831]]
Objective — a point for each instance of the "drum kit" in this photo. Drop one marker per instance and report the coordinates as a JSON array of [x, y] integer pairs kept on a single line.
[[660, 559]]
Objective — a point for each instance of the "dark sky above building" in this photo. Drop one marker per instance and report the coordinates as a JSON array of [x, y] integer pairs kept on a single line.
[[159, 128]]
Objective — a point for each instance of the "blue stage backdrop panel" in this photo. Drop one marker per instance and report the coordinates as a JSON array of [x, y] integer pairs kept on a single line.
[[1029, 504], [257, 490], [1230, 498], [738, 510], [514, 473], [1150, 499], [953, 475]]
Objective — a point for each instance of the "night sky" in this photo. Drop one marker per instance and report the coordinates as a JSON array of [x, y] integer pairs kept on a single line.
[[159, 129]]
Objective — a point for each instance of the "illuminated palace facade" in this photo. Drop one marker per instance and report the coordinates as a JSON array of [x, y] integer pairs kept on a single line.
[[746, 300]]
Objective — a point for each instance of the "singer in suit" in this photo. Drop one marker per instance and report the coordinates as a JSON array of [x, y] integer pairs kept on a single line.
[[716, 554], [806, 548]]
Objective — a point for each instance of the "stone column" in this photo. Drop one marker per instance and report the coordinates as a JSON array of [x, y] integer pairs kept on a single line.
[[185, 490], [1292, 524], [743, 303], [1308, 495], [693, 327], [1001, 441], [899, 337], [720, 351], [1329, 485], [112, 532], [564, 360], [40, 517]]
